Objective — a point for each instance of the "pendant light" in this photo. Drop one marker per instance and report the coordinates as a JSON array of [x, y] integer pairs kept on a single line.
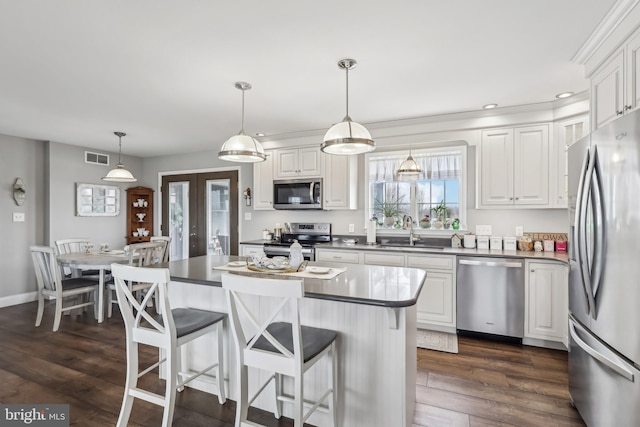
[[119, 174], [347, 137], [241, 147], [409, 169]]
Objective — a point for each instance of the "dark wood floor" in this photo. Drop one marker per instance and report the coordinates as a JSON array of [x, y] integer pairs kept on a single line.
[[486, 384]]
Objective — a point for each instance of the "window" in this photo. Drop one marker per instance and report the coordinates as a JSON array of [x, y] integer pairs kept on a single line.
[[441, 189]]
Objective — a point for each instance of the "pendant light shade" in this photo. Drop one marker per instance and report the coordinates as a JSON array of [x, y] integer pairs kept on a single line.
[[241, 147], [409, 169], [119, 174], [347, 137]]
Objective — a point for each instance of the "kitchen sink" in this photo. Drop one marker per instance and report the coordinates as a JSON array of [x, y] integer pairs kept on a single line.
[[406, 247]]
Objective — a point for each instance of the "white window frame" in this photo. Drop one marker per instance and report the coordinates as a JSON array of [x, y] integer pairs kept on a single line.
[[403, 153]]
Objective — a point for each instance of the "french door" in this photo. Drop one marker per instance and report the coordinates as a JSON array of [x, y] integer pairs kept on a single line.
[[200, 213]]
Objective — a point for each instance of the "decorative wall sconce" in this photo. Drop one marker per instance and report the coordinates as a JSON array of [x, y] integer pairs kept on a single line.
[[19, 192], [247, 197]]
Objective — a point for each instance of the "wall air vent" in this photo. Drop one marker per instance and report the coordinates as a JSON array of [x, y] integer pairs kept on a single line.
[[96, 158]]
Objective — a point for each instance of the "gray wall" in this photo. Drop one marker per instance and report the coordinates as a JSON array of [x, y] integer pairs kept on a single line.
[[20, 158], [67, 167], [50, 171]]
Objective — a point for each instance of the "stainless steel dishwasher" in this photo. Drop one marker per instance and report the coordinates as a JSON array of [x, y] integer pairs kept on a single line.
[[490, 296]]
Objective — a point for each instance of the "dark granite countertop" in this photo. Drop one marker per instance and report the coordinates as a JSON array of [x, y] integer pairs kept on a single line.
[[360, 284]]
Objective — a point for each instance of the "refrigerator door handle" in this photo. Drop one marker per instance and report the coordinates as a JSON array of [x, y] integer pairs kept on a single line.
[[582, 236], [600, 237], [579, 227], [598, 356]]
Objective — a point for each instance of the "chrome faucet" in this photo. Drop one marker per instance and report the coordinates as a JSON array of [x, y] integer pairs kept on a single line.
[[407, 220]]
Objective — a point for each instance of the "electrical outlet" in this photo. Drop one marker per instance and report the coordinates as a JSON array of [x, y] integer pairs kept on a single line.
[[519, 231], [247, 216], [352, 228]]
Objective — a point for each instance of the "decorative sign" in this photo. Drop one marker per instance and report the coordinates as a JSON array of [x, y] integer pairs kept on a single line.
[[97, 200]]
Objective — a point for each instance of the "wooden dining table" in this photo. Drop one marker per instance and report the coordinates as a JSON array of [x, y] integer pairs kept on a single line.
[[100, 261]]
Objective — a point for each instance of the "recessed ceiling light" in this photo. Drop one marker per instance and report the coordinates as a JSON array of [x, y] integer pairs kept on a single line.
[[260, 134], [564, 95], [489, 106]]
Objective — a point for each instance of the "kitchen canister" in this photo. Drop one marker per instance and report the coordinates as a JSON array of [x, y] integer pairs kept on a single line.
[[495, 242], [482, 242], [469, 241], [510, 243], [549, 245]]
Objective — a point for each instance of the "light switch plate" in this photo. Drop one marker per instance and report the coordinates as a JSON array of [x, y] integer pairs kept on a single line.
[[18, 217], [519, 231], [483, 230], [247, 216], [352, 228]]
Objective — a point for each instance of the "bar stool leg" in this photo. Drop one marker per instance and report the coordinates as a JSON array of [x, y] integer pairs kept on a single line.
[[130, 383], [222, 395]]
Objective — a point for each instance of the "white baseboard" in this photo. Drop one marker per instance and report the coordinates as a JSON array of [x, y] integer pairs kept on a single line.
[[18, 299]]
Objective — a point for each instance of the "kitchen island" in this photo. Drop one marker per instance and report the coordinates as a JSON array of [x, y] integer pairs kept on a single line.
[[373, 309]]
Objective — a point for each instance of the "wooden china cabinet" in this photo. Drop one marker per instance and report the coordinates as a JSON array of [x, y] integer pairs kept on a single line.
[[139, 214]]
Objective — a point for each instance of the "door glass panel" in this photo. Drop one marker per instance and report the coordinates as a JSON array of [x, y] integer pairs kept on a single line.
[[218, 216], [179, 220]]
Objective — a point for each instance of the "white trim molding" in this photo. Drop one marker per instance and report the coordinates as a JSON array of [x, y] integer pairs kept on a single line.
[[18, 299]]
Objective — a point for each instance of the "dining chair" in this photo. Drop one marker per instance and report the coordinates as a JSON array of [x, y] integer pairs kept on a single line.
[[76, 245], [51, 284], [167, 242], [285, 348], [140, 255], [169, 331]]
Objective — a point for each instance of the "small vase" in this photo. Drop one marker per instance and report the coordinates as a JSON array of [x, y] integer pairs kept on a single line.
[[425, 223], [438, 225], [388, 221]]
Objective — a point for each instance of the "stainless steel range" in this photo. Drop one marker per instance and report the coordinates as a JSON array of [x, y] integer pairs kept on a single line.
[[306, 233]]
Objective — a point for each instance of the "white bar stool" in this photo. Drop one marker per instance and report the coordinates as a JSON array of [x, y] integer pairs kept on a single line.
[[285, 348], [168, 331]]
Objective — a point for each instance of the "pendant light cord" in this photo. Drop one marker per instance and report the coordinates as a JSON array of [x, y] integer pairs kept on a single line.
[[119, 149], [242, 122], [347, 85]]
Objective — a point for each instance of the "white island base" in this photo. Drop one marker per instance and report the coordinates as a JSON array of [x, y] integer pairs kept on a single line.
[[376, 357]]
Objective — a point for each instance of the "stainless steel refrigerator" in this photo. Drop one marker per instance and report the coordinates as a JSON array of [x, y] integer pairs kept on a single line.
[[604, 280]]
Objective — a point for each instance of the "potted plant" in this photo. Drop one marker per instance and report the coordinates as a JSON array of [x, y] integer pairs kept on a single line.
[[440, 211], [389, 210]]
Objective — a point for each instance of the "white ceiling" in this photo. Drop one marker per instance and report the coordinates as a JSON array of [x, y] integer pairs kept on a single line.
[[74, 71]]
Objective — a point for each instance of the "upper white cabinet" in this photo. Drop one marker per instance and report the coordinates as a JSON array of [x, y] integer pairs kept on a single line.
[[607, 91], [297, 162], [514, 167], [614, 85], [263, 183], [340, 182], [567, 132], [546, 310]]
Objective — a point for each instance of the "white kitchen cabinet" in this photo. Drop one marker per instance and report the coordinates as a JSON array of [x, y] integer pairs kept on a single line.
[[567, 133], [514, 167], [392, 259], [340, 182], [546, 301], [263, 183], [614, 85], [437, 302], [349, 257], [297, 163], [607, 91], [248, 250]]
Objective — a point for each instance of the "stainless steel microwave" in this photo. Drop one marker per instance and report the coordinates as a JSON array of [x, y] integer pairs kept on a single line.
[[297, 193]]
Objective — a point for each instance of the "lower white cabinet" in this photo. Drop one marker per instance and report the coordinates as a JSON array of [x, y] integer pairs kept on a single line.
[[437, 301], [349, 257], [546, 309], [248, 250], [384, 258]]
